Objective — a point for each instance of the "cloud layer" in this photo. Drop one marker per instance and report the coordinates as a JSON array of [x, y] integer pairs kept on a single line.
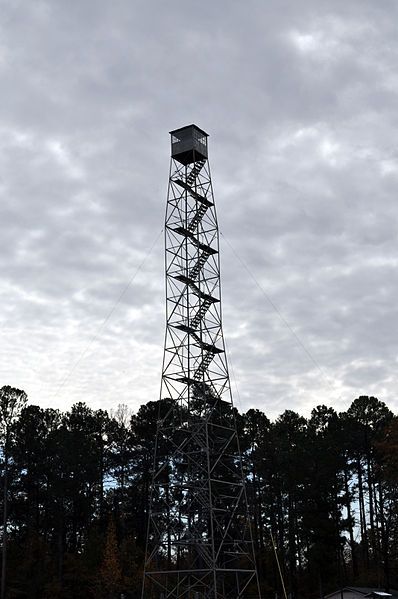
[[300, 103]]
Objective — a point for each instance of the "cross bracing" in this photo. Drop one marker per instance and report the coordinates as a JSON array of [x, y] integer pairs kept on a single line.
[[199, 543]]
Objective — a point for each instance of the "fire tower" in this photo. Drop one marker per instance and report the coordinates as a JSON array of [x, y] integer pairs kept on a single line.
[[199, 543]]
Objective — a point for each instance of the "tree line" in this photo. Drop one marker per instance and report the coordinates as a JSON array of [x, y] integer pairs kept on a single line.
[[322, 493]]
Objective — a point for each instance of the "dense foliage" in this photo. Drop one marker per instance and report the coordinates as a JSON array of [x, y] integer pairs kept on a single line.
[[323, 495]]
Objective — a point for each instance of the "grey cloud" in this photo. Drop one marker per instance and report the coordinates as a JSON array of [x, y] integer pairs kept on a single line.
[[299, 100]]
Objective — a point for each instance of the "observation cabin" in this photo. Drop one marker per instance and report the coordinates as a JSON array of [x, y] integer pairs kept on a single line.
[[189, 144]]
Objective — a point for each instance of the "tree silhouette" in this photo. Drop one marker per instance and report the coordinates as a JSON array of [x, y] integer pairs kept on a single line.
[[11, 403], [77, 485]]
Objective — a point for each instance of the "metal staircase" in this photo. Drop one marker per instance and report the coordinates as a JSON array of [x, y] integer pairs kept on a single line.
[[197, 218], [205, 305], [197, 167], [193, 273], [203, 366]]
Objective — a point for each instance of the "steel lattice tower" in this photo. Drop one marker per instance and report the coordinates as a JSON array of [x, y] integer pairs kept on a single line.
[[199, 543]]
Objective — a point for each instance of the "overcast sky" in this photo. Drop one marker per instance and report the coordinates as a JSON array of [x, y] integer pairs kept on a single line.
[[299, 98]]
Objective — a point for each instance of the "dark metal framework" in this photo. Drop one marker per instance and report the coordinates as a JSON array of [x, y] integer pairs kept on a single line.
[[199, 542]]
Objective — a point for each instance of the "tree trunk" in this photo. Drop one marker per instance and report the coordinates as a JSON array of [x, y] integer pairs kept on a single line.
[[101, 473], [350, 526], [292, 547], [362, 516], [5, 518], [60, 543], [384, 541], [373, 539]]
